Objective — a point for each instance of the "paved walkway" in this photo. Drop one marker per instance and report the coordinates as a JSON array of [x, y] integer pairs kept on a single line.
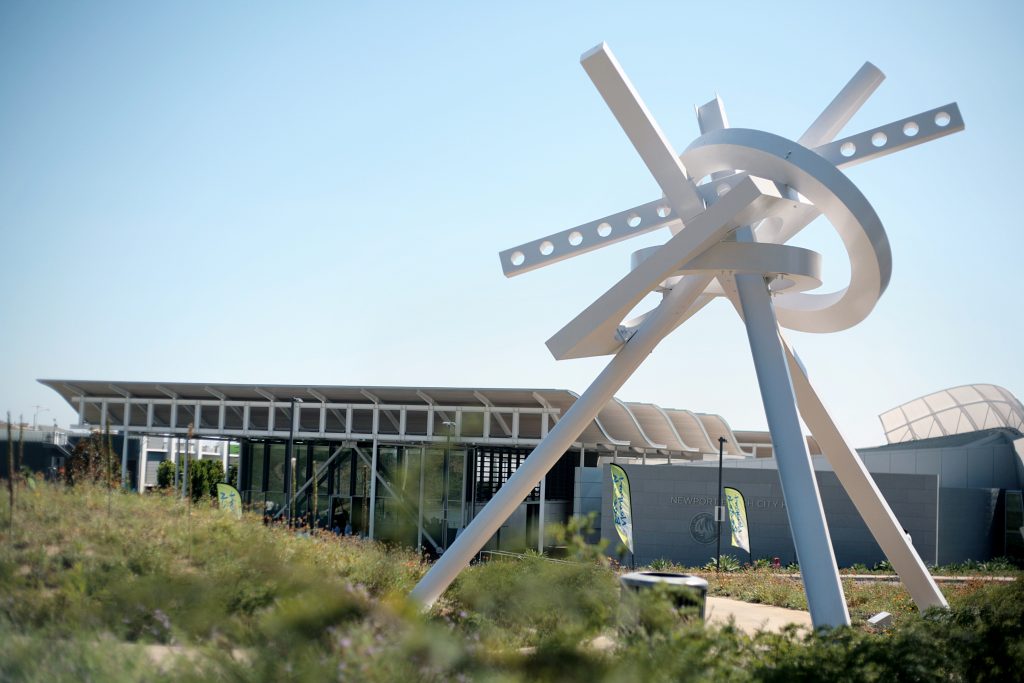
[[752, 617]]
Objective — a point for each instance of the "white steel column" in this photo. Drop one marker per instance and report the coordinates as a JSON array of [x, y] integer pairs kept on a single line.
[[863, 491], [419, 513], [143, 463], [373, 488], [559, 439], [799, 487], [124, 442]]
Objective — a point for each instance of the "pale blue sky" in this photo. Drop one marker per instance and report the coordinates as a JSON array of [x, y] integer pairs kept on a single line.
[[316, 193]]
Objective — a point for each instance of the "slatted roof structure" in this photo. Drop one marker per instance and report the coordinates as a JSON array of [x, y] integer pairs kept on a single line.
[[517, 417], [957, 410]]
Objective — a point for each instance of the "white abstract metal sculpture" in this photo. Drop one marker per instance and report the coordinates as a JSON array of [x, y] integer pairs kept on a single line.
[[728, 239]]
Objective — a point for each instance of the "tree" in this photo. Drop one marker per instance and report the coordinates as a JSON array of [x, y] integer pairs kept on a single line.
[[92, 460], [165, 474], [204, 475]]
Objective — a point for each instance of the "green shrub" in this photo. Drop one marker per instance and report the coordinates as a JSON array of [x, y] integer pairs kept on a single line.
[[165, 474], [728, 563], [204, 475], [85, 596], [661, 565], [1007, 565]]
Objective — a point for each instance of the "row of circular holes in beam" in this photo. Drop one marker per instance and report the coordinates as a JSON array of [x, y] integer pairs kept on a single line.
[[847, 149], [575, 238], [910, 129]]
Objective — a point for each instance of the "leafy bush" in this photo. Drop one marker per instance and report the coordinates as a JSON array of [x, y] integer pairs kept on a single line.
[[165, 474], [1007, 565], [728, 563], [204, 475], [238, 600], [93, 461]]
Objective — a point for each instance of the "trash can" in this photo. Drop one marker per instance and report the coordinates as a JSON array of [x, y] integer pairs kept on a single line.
[[687, 590]]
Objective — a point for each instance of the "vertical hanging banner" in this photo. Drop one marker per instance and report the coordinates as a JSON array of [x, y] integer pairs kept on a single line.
[[737, 518], [229, 500], [622, 511]]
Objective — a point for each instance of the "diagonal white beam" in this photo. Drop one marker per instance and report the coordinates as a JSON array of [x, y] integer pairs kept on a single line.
[[842, 108], [642, 130], [554, 445], [863, 492], [497, 416], [711, 116], [265, 394], [893, 137], [796, 474], [119, 391], [588, 333], [844, 153], [216, 394], [368, 461], [165, 391]]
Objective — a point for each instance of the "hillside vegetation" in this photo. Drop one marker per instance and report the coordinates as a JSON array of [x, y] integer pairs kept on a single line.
[[105, 586]]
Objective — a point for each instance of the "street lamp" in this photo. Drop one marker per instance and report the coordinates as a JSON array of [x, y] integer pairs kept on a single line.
[[289, 465], [35, 416]]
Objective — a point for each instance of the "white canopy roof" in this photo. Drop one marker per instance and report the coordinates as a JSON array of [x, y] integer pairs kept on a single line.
[[262, 410], [958, 410]]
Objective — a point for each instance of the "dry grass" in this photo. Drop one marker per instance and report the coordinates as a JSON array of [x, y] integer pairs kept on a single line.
[[86, 595]]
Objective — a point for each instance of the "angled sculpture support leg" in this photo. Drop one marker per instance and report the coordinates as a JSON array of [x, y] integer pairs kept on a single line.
[[799, 487], [863, 491], [558, 440]]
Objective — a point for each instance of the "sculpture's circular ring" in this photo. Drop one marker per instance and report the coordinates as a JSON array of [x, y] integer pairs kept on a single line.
[[792, 269], [784, 161]]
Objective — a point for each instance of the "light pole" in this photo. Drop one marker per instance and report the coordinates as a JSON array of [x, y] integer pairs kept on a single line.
[[719, 508], [35, 416], [289, 464]]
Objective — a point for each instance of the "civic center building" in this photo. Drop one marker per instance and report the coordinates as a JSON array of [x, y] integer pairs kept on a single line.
[[415, 465]]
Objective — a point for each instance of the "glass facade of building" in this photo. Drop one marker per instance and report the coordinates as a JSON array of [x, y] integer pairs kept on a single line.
[[424, 495]]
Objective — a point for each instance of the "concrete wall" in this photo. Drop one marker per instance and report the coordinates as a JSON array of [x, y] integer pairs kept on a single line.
[[986, 466], [1018, 461], [587, 497], [968, 527], [673, 513]]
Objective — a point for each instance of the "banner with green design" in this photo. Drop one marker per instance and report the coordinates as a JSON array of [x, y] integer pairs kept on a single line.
[[622, 511], [229, 500], [737, 518]]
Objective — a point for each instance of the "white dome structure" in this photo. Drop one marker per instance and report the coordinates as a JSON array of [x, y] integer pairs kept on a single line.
[[958, 410]]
